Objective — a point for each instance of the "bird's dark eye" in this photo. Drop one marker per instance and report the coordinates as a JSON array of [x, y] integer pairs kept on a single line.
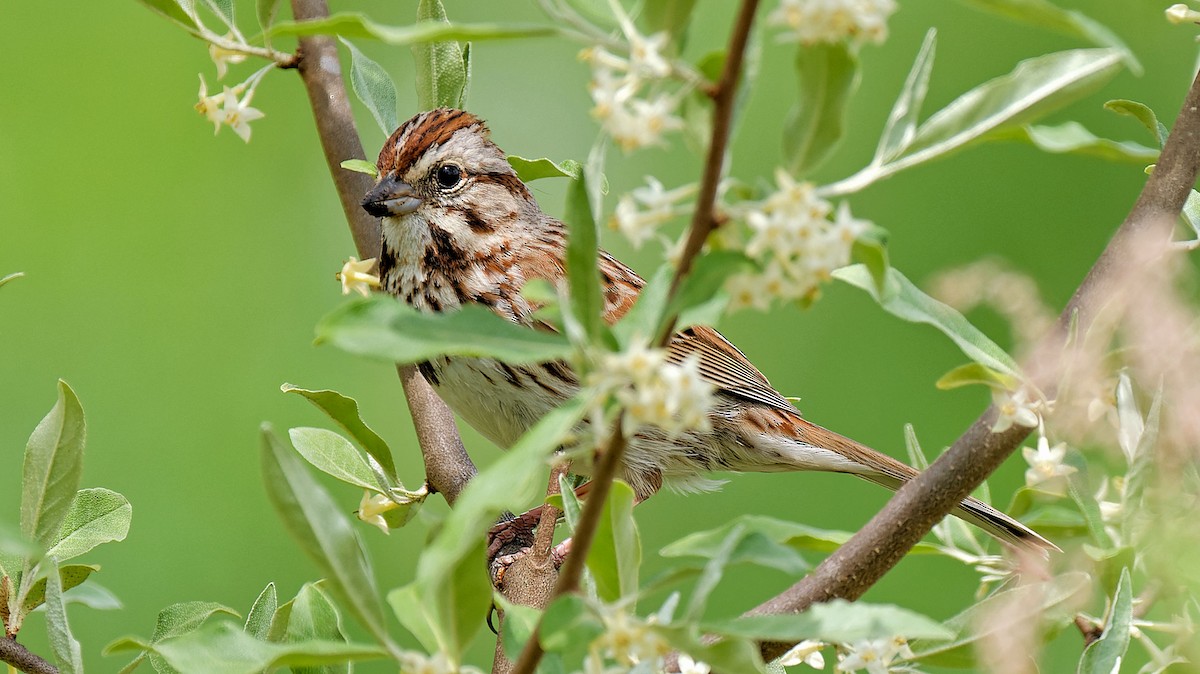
[[449, 175]]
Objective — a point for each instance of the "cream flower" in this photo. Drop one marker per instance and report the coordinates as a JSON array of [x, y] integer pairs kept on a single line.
[[372, 507], [1181, 13], [645, 55], [223, 57], [874, 655], [807, 652], [689, 666], [238, 114], [356, 276], [1046, 470], [1014, 409], [824, 21], [210, 106], [673, 397]]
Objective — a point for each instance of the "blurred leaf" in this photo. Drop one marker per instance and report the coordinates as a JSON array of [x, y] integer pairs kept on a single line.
[[374, 87], [11, 277], [15, 548], [903, 299], [324, 533], [760, 540], [96, 516], [976, 373], [67, 654], [728, 656], [1141, 113], [441, 76], [670, 16], [838, 621], [567, 622], [999, 613], [642, 320], [266, 11], [258, 621], [69, 576], [315, 618], [708, 275], [223, 647], [583, 277], [451, 573], [333, 455], [1191, 212], [519, 624], [906, 111], [53, 466], [828, 76], [1074, 138], [1036, 87], [616, 551], [174, 10], [1104, 655], [382, 327], [713, 570], [279, 621], [1080, 490], [916, 455], [424, 31], [173, 621], [1066, 21], [344, 411], [870, 248], [1142, 467], [535, 169], [94, 596], [409, 607]]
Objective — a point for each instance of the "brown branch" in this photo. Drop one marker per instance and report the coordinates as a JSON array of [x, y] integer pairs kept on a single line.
[[447, 466], [22, 658], [922, 503]]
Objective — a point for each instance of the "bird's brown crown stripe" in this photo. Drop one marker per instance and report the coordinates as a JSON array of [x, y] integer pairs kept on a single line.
[[433, 128]]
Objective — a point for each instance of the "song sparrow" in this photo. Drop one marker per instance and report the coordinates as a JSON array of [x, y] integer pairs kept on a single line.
[[459, 226]]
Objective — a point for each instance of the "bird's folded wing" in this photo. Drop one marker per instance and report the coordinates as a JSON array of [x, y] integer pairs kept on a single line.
[[724, 366]]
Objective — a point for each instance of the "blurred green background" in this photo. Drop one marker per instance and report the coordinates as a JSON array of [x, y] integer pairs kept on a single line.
[[173, 279]]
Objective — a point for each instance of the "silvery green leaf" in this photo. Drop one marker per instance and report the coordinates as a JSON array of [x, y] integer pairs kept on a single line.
[[334, 455], [314, 617], [828, 76], [533, 169], [11, 277], [1074, 138], [1104, 655], [53, 466], [361, 166], [906, 111], [344, 411], [96, 516], [180, 12], [258, 620], [374, 87], [1141, 113], [67, 654], [424, 31], [616, 551], [837, 621], [583, 275], [441, 76], [266, 11]]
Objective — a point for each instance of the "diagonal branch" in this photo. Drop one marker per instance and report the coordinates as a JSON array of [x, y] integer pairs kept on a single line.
[[22, 659], [447, 465], [923, 502]]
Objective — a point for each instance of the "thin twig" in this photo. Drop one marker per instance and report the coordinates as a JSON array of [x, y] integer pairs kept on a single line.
[[22, 658], [447, 466], [920, 504]]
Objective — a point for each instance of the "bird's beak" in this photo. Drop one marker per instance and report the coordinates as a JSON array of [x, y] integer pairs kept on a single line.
[[391, 197]]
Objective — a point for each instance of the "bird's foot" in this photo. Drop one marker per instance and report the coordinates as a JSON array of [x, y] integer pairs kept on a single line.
[[500, 565]]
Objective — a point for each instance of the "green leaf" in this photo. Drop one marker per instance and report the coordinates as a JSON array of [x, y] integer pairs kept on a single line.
[[643, 319], [11, 277], [53, 466], [1141, 113], [1191, 212], [315, 618], [670, 16], [173, 621], [906, 111], [1066, 21], [279, 621], [324, 533], [223, 9], [568, 623], [583, 277], [382, 327], [708, 275], [519, 623], [333, 455], [792, 534], [1074, 138], [355, 25], [361, 166], [975, 373], [729, 655], [411, 610], [616, 551], [713, 570], [96, 516], [258, 621], [344, 411], [94, 596], [870, 248], [266, 11], [374, 87], [1081, 493], [182, 13], [69, 576], [838, 620], [66, 649], [535, 169], [1103, 656], [441, 76], [903, 299], [451, 573], [828, 76], [1035, 88], [225, 648]]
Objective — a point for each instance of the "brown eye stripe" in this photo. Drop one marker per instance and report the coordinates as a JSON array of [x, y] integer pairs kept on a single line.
[[433, 128], [509, 181]]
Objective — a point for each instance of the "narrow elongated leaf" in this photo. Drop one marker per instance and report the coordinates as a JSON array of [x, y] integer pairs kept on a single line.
[[381, 327], [616, 551], [1036, 87], [644, 318], [412, 612], [792, 534], [333, 455], [441, 75], [903, 299], [730, 655], [1103, 656], [181, 13], [535, 169], [839, 621], [96, 516], [906, 111], [258, 620], [344, 411], [1191, 212], [355, 25], [713, 570], [1141, 113], [974, 373], [53, 466], [315, 618], [225, 648], [11, 277], [69, 576], [670, 16], [361, 166], [1066, 21], [374, 87], [828, 76], [324, 533], [266, 11], [1074, 138], [870, 248], [583, 276], [67, 653]]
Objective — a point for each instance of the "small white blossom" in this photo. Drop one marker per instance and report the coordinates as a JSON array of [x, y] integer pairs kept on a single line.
[[824, 21], [689, 666], [1181, 13], [222, 57], [1046, 470], [412, 662], [874, 655], [1014, 409], [225, 108], [673, 397], [210, 106], [746, 292], [807, 652], [356, 276], [371, 510], [627, 640], [657, 208], [645, 56], [238, 114]]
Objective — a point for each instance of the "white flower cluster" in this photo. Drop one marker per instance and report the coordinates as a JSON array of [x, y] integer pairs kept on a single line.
[[412, 662], [225, 108], [654, 392], [1046, 469], [796, 242], [640, 213], [627, 641], [631, 119], [873, 655], [824, 21]]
